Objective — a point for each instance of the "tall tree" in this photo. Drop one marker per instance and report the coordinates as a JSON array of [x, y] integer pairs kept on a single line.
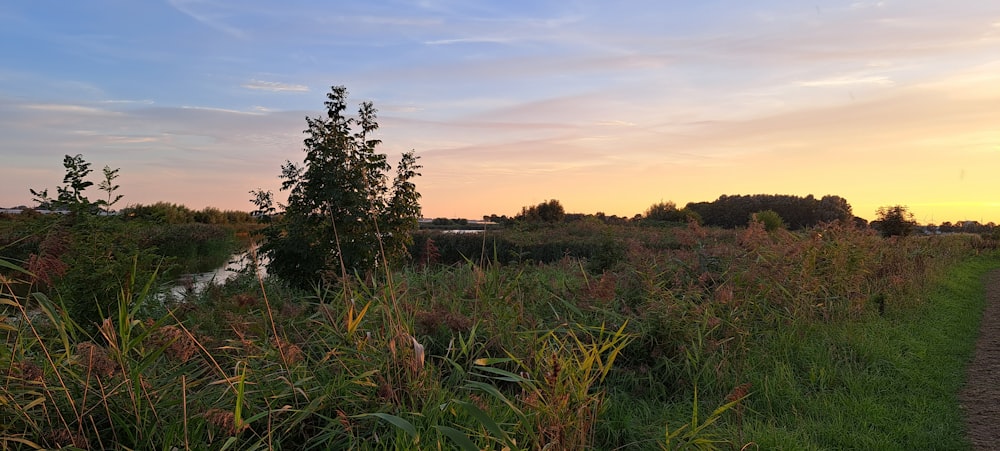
[[343, 216]]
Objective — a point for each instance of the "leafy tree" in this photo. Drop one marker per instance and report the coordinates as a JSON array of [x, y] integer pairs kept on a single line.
[[548, 211], [662, 211], [796, 212], [342, 215], [894, 221], [668, 212]]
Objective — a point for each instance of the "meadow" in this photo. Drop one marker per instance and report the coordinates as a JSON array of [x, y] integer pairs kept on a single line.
[[580, 335]]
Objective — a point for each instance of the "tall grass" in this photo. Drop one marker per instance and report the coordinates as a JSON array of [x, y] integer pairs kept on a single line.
[[688, 322]]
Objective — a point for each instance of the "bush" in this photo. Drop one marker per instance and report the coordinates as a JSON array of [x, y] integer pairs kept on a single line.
[[771, 219]]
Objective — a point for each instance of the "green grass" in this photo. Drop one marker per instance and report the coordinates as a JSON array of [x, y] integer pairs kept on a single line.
[[886, 382], [525, 355]]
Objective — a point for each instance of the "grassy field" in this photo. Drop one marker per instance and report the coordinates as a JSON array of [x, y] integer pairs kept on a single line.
[[887, 382], [684, 337]]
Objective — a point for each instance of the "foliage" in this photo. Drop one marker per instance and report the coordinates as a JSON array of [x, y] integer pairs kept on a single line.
[[797, 212], [70, 196], [771, 219], [550, 211], [108, 185], [341, 216], [88, 261], [523, 355], [668, 212], [894, 221], [169, 213], [264, 201]]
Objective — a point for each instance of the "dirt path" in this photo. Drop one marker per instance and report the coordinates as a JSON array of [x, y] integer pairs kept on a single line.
[[980, 398]]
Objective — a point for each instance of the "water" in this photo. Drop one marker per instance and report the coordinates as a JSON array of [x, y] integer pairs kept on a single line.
[[192, 284]]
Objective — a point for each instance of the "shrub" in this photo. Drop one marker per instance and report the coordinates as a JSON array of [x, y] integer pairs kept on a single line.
[[771, 219]]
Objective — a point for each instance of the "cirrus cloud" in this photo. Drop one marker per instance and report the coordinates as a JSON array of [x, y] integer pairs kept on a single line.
[[275, 86]]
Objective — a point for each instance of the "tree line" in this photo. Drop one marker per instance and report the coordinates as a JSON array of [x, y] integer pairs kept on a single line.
[[727, 212]]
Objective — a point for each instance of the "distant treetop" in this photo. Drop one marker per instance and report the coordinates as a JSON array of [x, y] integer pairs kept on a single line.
[[797, 212]]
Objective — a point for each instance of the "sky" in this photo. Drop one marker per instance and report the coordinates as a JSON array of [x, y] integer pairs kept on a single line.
[[605, 106]]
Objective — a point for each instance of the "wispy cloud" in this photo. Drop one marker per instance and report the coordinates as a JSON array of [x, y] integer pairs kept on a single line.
[[275, 86], [254, 112], [190, 8], [475, 40], [396, 21], [128, 102], [843, 81], [66, 108]]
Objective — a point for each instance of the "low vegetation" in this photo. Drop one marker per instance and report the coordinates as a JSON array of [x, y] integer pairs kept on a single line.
[[687, 337]]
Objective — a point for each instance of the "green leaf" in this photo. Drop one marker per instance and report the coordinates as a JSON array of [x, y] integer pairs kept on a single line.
[[401, 423], [487, 422], [11, 266], [476, 385], [458, 437], [500, 374]]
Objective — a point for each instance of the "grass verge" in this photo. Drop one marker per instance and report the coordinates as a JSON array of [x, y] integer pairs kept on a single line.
[[888, 382]]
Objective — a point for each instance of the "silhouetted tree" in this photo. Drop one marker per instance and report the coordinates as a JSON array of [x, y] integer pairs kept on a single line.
[[70, 196], [894, 221], [668, 212], [797, 212], [548, 211]]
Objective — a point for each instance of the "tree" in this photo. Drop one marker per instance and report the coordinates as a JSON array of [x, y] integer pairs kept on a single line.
[[548, 211], [342, 215], [668, 212], [796, 212], [663, 211], [894, 221]]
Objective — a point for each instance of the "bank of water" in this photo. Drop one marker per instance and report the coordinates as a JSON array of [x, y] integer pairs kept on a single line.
[[191, 284]]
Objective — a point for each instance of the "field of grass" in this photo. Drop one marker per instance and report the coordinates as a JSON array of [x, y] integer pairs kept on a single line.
[[685, 337], [888, 382]]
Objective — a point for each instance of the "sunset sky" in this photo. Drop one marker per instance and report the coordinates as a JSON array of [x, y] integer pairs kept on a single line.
[[605, 106]]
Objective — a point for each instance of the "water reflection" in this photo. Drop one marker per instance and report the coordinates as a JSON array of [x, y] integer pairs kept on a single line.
[[240, 262]]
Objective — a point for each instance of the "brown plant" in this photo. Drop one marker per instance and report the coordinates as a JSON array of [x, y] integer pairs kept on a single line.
[[290, 352], [96, 359], [65, 437], [225, 421]]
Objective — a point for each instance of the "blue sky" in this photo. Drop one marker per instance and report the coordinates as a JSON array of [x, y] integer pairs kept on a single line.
[[606, 106]]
